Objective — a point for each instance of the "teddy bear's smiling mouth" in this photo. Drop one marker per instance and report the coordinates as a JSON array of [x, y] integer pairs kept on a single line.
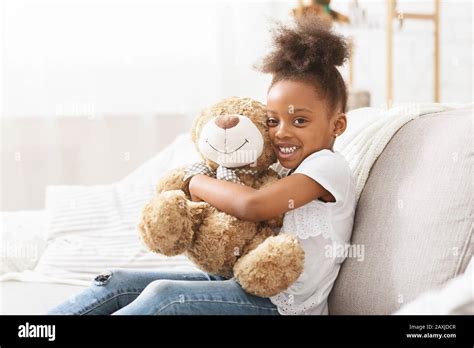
[[224, 152]]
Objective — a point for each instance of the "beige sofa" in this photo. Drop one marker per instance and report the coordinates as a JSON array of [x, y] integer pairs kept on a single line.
[[414, 217], [413, 224]]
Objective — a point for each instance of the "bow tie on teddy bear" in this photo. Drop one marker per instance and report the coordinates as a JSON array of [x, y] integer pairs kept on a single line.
[[222, 173]]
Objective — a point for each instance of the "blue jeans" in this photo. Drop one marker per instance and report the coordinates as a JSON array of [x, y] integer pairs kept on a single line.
[[135, 292]]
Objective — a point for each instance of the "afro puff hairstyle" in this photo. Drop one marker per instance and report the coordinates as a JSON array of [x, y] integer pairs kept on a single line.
[[309, 52]]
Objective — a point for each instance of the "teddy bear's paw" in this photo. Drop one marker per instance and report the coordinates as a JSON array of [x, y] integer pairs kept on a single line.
[[271, 267], [172, 180], [166, 226]]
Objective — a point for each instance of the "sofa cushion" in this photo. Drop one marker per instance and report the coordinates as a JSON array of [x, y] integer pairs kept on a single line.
[[413, 221]]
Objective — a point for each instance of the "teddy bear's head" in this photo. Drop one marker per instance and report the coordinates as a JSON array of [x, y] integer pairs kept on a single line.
[[233, 133]]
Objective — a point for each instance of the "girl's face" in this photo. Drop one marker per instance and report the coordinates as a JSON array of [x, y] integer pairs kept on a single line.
[[299, 123]]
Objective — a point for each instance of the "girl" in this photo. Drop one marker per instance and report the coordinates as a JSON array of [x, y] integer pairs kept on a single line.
[[306, 103]]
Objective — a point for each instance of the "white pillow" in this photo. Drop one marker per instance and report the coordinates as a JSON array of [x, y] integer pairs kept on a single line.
[[357, 120], [93, 228], [22, 239], [456, 297], [75, 209]]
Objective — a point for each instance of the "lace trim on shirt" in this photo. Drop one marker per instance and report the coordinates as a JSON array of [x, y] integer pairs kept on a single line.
[[286, 305], [280, 170], [310, 220]]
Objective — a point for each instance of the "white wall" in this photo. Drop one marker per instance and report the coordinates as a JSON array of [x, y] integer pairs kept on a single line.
[[413, 51], [81, 57], [37, 152]]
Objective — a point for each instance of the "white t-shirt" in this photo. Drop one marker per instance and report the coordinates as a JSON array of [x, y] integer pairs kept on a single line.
[[324, 232]]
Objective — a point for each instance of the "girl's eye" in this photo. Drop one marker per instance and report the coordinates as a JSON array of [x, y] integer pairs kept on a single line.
[[271, 122], [299, 121]]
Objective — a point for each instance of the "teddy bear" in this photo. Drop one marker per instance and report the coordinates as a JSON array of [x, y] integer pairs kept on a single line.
[[233, 141]]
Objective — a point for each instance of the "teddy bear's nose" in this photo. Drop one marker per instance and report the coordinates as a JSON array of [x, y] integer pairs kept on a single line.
[[226, 121]]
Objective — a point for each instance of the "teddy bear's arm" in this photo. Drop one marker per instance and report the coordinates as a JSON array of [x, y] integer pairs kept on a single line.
[[269, 178], [173, 180]]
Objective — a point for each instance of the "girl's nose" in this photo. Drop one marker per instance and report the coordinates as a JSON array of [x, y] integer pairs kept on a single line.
[[282, 131], [226, 121]]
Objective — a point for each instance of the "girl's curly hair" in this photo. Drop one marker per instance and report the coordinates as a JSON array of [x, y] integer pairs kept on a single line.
[[310, 52]]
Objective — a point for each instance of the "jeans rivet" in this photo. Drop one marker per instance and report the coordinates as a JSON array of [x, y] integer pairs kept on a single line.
[[102, 278]]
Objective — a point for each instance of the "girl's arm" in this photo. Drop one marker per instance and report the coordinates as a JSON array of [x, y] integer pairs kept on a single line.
[[250, 204]]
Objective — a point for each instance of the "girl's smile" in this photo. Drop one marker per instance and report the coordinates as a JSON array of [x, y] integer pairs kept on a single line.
[[286, 151], [299, 122]]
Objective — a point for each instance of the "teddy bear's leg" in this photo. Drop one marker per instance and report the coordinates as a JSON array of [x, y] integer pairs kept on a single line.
[[166, 224], [271, 267]]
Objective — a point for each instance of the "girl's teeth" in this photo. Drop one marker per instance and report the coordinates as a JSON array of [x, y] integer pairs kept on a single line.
[[288, 149]]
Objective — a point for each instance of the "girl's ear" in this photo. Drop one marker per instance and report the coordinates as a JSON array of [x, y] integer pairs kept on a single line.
[[340, 124]]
